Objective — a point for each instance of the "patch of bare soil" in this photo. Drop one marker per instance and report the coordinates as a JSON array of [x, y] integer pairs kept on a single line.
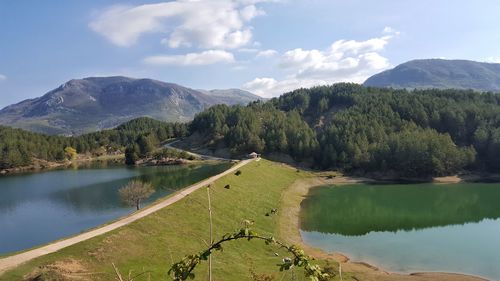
[[66, 270], [448, 179]]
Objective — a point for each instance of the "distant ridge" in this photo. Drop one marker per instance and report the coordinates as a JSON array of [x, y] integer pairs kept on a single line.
[[95, 103], [440, 74], [232, 96]]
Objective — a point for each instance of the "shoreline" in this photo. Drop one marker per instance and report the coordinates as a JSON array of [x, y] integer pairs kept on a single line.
[[18, 258], [43, 166], [289, 229], [51, 166]]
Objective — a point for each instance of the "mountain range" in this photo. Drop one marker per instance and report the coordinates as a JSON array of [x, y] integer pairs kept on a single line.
[[440, 74], [95, 103]]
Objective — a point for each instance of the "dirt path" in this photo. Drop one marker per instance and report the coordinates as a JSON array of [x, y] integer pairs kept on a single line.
[[289, 228], [197, 155], [15, 260]]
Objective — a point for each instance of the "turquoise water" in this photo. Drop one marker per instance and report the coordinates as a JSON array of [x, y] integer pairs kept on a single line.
[[41, 207], [409, 228]]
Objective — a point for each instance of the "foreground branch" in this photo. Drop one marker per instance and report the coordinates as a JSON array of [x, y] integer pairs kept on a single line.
[[183, 269]]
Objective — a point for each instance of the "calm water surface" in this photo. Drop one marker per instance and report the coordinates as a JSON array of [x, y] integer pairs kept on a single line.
[[409, 228], [41, 207]]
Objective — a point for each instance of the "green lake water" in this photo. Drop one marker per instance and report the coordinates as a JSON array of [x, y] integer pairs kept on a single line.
[[409, 227], [41, 207]]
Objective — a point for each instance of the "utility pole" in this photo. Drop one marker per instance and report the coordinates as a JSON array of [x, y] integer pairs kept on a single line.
[[211, 238]]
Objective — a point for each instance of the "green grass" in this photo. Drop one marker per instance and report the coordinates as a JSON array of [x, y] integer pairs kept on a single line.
[[155, 242]]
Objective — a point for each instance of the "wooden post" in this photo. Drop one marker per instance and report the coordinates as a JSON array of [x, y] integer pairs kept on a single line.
[[340, 271], [211, 241]]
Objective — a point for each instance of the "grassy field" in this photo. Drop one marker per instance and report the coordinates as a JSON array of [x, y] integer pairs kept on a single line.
[[153, 243]]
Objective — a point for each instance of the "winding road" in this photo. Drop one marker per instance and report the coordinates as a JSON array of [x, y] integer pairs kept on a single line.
[[17, 259]]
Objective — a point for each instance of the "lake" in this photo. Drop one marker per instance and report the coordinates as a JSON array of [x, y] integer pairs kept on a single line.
[[41, 207], [408, 227]]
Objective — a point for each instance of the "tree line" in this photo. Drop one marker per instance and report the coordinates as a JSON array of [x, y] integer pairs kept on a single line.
[[345, 126], [20, 148]]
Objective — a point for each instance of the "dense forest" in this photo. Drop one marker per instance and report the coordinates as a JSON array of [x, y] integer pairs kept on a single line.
[[355, 128], [344, 126], [19, 147]]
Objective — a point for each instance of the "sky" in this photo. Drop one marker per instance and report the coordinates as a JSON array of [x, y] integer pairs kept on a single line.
[[265, 46]]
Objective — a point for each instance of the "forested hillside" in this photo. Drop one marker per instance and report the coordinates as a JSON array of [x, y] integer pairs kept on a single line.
[[19, 147], [344, 126], [348, 126]]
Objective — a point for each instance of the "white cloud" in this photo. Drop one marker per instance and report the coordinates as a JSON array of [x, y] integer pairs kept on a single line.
[[390, 30], [270, 87], [492, 60], [205, 24], [250, 12], [203, 58], [261, 85], [3, 77], [266, 53], [343, 61]]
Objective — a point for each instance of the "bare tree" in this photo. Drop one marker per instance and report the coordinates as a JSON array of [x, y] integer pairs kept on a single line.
[[134, 192]]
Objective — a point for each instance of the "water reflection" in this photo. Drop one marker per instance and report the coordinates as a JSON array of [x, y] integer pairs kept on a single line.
[[41, 207], [361, 209], [409, 228], [20, 189]]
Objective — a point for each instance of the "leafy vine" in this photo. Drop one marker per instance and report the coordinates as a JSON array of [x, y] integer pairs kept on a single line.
[[183, 269]]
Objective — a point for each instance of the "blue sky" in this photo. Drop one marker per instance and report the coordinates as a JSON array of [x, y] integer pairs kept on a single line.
[[265, 46]]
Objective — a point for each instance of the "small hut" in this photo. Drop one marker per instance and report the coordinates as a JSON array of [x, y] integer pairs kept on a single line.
[[253, 155]]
